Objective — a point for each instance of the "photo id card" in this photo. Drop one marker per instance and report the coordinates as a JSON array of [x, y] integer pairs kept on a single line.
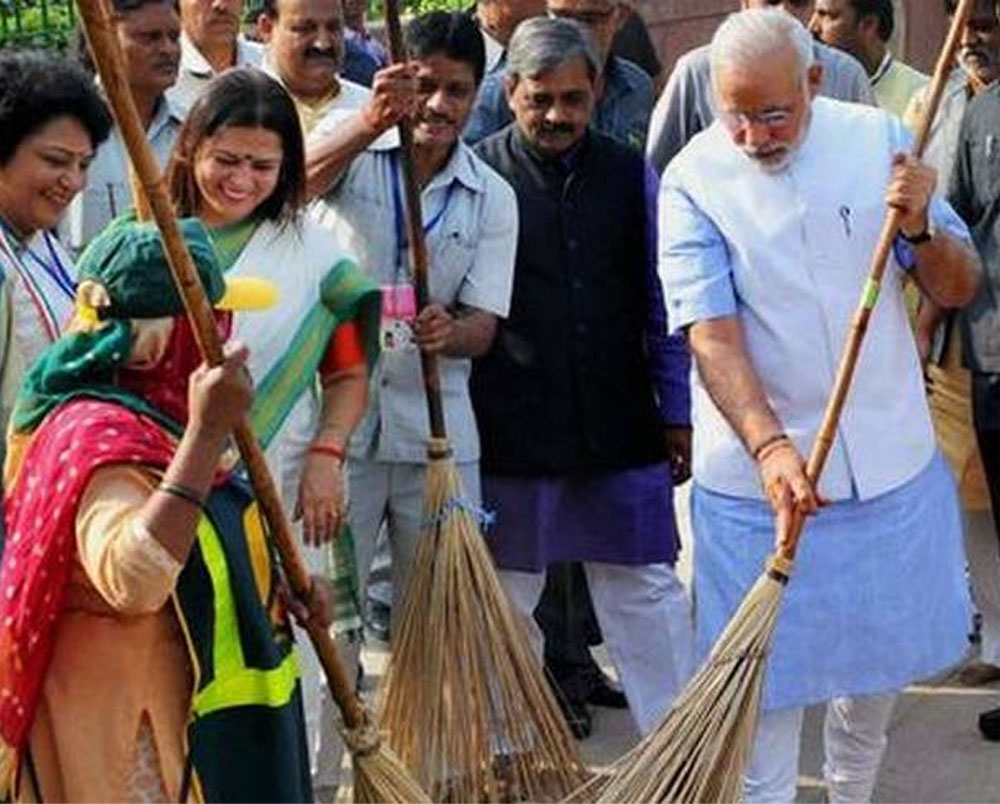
[[399, 309]]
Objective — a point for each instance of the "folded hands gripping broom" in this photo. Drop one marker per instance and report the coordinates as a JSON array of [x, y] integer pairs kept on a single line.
[[699, 752], [465, 701], [378, 775]]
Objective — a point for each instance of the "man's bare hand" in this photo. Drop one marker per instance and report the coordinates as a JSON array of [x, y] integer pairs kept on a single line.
[[678, 441], [433, 329], [394, 96], [786, 486], [910, 189]]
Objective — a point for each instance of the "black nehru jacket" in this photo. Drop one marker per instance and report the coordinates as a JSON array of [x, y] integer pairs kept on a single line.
[[566, 388]]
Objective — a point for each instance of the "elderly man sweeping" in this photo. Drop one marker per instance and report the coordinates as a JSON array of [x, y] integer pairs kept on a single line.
[[768, 223]]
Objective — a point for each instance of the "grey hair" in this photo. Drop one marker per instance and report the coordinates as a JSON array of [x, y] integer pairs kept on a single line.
[[747, 38], [540, 44]]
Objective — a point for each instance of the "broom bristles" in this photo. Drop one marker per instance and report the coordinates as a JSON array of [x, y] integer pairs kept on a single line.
[[465, 700], [381, 778], [700, 750], [378, 775]]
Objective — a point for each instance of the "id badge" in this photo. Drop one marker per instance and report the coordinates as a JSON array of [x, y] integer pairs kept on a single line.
[[399, 309]]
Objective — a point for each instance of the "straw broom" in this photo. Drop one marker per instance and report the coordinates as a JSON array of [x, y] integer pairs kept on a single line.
[[700, 751], [378, 775], [465, 700]]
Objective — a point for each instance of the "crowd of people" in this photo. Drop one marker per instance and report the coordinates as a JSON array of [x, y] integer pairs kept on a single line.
[[636, 280]]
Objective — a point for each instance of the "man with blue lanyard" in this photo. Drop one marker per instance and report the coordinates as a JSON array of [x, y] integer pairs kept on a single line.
[[470, 222]]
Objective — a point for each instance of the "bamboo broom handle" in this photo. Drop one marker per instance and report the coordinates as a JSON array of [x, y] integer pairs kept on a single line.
[[108, 60], [415, 229], [890, 228]]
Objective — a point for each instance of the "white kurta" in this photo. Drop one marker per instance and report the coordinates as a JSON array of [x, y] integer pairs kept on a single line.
[[788, 254], [878, 596], [38, 280]]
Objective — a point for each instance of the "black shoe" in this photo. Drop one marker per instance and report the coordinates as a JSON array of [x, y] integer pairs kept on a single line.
[[377, 620], [602, 691], [603, 694], [989, 725]]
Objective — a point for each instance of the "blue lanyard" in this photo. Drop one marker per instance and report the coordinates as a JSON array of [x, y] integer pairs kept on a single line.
[[55, 268], [400, 214]]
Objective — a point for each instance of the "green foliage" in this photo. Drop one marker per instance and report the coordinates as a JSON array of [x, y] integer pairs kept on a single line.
[[36, 23], [49, 23], [421, 6]]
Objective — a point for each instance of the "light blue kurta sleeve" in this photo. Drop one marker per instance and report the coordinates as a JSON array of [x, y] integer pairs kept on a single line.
[[942, 216], [694, 263]]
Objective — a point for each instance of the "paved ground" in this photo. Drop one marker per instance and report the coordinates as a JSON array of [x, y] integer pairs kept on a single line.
[[935, 751]]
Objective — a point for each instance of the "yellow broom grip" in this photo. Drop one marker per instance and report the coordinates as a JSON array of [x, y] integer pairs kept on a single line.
[[788, 542], [109, 63]]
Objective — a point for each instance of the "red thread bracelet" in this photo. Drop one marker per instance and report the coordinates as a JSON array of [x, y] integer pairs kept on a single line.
[[329, 449]]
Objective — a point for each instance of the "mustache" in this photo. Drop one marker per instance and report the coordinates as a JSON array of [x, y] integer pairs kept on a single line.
[[766, 152], [434, 118], [556, 128], [966, 52], [320, 54]]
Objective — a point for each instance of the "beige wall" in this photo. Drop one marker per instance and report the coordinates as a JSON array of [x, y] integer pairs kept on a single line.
[[679, 25]]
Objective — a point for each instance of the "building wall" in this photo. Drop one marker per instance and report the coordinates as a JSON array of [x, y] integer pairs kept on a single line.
[[679, 25]]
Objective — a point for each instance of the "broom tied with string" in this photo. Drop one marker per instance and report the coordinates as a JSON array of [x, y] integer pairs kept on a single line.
[[465, 699], [700, 750], [378, 775]]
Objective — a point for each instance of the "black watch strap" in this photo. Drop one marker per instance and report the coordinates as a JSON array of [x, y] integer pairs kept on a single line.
[[917, 239]]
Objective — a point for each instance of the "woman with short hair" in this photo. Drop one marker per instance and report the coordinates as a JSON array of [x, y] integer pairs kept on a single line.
[[51, 122]]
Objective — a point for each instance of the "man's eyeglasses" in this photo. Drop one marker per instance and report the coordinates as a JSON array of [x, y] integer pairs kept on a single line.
[[773, 118]]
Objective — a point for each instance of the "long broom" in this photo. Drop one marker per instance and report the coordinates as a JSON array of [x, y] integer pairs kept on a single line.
[[700, 750], [465, 700], [378, 775]]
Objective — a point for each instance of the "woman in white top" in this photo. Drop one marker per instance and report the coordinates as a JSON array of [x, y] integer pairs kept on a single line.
[[51, 122]]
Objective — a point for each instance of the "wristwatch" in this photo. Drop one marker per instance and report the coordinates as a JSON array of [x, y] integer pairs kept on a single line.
[[920, 237]]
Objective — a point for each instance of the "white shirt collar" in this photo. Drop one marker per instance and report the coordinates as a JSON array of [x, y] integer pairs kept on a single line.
[[882, 69], [249, 54]]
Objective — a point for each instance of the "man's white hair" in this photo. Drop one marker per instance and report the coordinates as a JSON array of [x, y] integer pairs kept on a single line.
[[751, 37]]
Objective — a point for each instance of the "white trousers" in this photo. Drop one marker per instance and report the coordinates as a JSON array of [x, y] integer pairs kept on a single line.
[[983, 554], [854, 740], [645, 618]]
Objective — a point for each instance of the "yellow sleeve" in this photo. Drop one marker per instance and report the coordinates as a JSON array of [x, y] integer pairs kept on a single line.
[[130, 569]]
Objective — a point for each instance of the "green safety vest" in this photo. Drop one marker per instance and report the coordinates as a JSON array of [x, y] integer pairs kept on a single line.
[[246, 737]]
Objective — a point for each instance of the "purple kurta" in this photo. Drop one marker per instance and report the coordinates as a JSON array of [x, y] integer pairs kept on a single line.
[[623, 517], [616, 517]]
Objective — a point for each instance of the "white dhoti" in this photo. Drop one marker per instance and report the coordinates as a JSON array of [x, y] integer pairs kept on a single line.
[[854, 740]]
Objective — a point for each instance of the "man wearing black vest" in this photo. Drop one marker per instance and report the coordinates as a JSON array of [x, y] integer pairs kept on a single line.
[[582, 402]]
